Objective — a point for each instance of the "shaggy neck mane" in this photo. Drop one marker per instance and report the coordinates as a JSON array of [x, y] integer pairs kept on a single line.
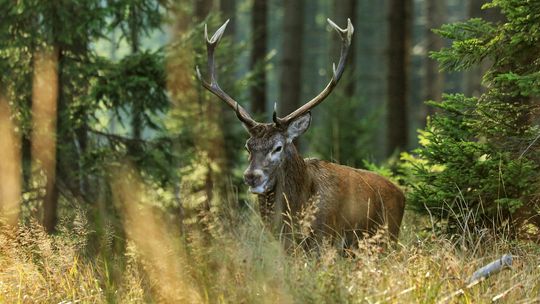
[[292, 182]]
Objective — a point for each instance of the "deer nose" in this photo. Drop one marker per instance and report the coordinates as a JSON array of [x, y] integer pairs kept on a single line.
[[253, 178]]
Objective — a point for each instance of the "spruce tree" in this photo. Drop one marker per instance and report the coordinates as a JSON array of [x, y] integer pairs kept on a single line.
[[478, 164]]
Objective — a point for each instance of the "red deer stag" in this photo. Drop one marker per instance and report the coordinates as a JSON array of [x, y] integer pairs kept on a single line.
[[348, 202]]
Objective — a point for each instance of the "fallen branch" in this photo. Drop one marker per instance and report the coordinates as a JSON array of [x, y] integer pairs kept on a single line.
[[504, 262], [481, 274], [505, 293]]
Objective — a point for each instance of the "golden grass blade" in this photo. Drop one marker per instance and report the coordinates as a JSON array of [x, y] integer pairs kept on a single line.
[[165, 263], [506, 292]]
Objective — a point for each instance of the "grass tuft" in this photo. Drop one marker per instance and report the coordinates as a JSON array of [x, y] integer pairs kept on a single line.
[[227, 255]]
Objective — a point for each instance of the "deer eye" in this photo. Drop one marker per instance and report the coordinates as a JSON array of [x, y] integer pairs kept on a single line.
[[277, 149]]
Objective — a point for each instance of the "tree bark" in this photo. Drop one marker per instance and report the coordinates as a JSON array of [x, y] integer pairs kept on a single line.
[[202, 8], [472, 80], [258, 53], [291, 61], [398, 61], [136, 111], [10, 167], [434, 78], [228, 9], [45, 101]]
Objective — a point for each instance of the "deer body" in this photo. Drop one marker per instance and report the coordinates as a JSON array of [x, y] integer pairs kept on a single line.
[[346, 202]]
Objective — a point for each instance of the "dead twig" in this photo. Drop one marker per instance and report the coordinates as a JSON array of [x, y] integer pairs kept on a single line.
[[480, 275], [401, 293], [505, 293]]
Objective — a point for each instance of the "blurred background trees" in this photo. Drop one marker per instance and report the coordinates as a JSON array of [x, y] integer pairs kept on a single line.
[[121, 176], [117, 84]]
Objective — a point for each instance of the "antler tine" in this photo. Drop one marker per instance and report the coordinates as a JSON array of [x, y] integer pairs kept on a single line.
[[213, 86], [275, 118], [346, 35]]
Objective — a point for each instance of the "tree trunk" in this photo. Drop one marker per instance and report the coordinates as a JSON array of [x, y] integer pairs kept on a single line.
[[137, 111], [202, 8], [472, 80], [228, 9], [291, 60], [45, 101], [434, 79], [258, 53], [10, 167], [398, 60]]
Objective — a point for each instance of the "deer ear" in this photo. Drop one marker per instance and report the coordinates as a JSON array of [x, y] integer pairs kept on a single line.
[[298, 126]]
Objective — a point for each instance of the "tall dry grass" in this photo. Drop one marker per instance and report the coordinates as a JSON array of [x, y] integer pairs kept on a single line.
[[227, 256]]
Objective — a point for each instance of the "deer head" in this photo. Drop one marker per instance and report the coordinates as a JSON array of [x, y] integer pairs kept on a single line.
[[270, 145]]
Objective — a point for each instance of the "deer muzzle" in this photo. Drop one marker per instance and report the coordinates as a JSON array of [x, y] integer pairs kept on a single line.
[[256, 180]]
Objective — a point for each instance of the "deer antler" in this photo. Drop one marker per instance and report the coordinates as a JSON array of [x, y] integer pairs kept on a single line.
[[345, 35], [213, 86]]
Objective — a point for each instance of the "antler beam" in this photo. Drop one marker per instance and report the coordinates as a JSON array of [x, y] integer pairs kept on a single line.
[[213, 85], [346, 35]]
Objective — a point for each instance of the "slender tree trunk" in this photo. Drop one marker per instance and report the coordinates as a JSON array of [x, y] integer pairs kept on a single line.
[[291, 61], [434, 78], [10, 167], [202, 8], [26, 149], [398, 61], [79, 49], [228, 9], [137, 118], [472, 79], [258, 53], [45, 101]]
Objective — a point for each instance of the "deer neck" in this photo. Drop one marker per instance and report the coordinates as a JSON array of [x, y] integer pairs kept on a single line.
[[292, 189]]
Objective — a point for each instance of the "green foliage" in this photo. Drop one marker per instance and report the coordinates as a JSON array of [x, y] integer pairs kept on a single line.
[[134, 84], [343, 133], [456, 170], [477, 163], [96, 94], [136, 18], [30, 26], [471, 44]]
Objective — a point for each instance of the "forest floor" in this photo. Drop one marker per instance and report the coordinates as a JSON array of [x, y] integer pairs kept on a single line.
[[243, 264]]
